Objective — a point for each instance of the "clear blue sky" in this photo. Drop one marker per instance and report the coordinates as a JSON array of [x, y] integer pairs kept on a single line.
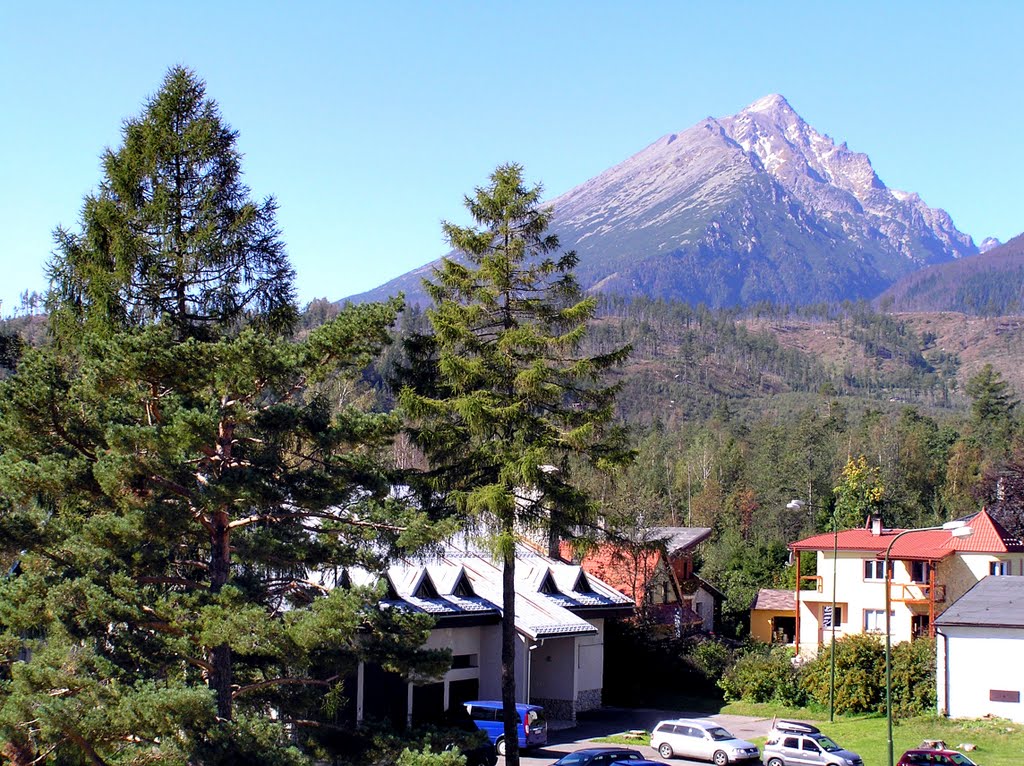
[[369, 121]]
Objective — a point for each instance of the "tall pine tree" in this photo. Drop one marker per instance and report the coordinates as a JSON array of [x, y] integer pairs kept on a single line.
[[511, 401], [172, 234], [182, 480]]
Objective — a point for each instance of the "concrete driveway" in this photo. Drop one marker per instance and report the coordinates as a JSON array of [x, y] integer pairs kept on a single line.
[[607, 721]]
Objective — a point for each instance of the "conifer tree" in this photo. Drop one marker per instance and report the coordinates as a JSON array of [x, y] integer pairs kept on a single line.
[[172, 234], [511, 401], [181, 483]]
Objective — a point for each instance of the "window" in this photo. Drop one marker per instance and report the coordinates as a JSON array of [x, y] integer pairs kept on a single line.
[[697, 607], [874, 620], [874, 569], [920, 571], [460, 661], [811, 746], [792, 742], [826, 616], [999, 567]]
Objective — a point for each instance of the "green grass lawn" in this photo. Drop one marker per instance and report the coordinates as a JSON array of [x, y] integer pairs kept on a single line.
[[998, 742]]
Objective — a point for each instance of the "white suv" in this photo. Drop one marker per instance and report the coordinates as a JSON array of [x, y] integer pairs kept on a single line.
[[703, 739]]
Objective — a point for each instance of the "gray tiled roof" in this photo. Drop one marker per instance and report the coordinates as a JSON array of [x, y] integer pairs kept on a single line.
[[538, 614], [679, 538], [992, 602]]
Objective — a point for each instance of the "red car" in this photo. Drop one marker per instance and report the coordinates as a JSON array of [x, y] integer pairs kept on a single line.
[[942, 757]]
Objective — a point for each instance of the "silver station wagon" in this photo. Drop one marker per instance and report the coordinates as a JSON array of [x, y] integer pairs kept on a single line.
[[702, 739]]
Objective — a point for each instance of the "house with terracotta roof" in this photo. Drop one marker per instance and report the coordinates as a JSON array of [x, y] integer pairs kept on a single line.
[[656, 572], [929, 571], [560, 614]]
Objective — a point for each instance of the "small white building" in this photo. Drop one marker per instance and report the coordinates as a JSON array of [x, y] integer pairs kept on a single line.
[[560, 626], [979, 646]]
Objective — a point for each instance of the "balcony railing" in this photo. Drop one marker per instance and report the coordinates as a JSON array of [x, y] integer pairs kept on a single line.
[[917, 593]]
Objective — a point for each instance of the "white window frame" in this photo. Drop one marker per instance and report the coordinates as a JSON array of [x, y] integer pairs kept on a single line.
[[874, 620], [874, 570], [999, 568]]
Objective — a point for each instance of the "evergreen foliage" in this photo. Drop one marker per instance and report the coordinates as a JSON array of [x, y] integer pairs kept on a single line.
[[184, 482], [172, 236], [508, 399]]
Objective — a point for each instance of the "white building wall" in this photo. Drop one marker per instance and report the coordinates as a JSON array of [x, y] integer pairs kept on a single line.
[[706, 603], [972, 662], [490, 662], [954, 576]]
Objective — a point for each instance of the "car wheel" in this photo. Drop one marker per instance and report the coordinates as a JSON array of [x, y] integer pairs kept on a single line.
[[499, 747], [720, 758], [776, 762], [665, 750]]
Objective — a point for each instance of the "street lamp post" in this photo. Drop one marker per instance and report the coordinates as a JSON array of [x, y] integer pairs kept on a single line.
[[957, 529], [796, 505]]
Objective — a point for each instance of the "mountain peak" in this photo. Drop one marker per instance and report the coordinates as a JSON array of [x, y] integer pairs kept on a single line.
[[773, 102]]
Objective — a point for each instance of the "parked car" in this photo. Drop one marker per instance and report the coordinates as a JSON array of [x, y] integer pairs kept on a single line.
[[942, 756], [703, 739], [532, 729], [476, 755], [601, 756], [794, 743]]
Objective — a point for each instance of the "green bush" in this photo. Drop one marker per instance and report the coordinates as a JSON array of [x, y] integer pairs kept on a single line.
[[711, 657], [913, 677], [860, 675], [762, 675]]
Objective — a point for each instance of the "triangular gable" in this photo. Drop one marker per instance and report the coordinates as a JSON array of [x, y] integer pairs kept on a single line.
[[463, 587], [391, 593], [582, 584], [548, 584], [989, 536], [425, 588]]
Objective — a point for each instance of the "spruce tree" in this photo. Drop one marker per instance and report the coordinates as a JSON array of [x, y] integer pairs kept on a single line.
[[511, 402], [172, 234], [181, 484]]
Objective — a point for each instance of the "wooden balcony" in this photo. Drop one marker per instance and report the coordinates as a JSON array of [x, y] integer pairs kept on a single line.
[[917, 593]]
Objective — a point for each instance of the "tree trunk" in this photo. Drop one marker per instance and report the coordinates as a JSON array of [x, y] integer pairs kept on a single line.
[[220, 656], [508, 648]]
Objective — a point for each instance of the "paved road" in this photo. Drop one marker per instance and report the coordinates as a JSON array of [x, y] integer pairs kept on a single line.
[[601, 723]]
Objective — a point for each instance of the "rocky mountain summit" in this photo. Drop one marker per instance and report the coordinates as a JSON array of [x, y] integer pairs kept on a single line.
[[757, 206]]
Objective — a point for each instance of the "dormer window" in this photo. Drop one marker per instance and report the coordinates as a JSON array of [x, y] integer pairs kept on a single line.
[[426, 589], [548, 586], [582, 584], [462, 587]]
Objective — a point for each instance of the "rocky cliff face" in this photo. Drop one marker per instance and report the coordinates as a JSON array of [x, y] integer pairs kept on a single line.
[[758, 206]]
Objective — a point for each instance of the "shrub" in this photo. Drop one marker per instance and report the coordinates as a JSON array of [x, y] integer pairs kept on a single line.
[[764, 676], [913, 677], [860, 675]]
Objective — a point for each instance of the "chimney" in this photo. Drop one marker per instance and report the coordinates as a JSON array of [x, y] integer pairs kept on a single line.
[[875, 524]]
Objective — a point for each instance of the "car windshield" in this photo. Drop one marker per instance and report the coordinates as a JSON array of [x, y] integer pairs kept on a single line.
[[827, 745], [569, 760], [719, 734]]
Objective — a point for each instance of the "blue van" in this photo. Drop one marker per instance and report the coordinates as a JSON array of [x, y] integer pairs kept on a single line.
[[532, 728]]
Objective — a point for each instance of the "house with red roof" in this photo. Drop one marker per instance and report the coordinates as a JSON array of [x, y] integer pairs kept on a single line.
[[929, 571], [657, 574]]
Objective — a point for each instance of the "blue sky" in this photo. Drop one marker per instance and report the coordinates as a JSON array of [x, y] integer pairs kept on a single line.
[[370, 121]]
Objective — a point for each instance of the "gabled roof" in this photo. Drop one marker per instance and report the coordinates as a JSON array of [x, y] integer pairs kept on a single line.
[[677, 539], [538, 614], [988, 537], [775, 600], [994, 602]]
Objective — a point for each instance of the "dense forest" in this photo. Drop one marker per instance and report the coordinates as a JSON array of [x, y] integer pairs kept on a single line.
[[729, 424]]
